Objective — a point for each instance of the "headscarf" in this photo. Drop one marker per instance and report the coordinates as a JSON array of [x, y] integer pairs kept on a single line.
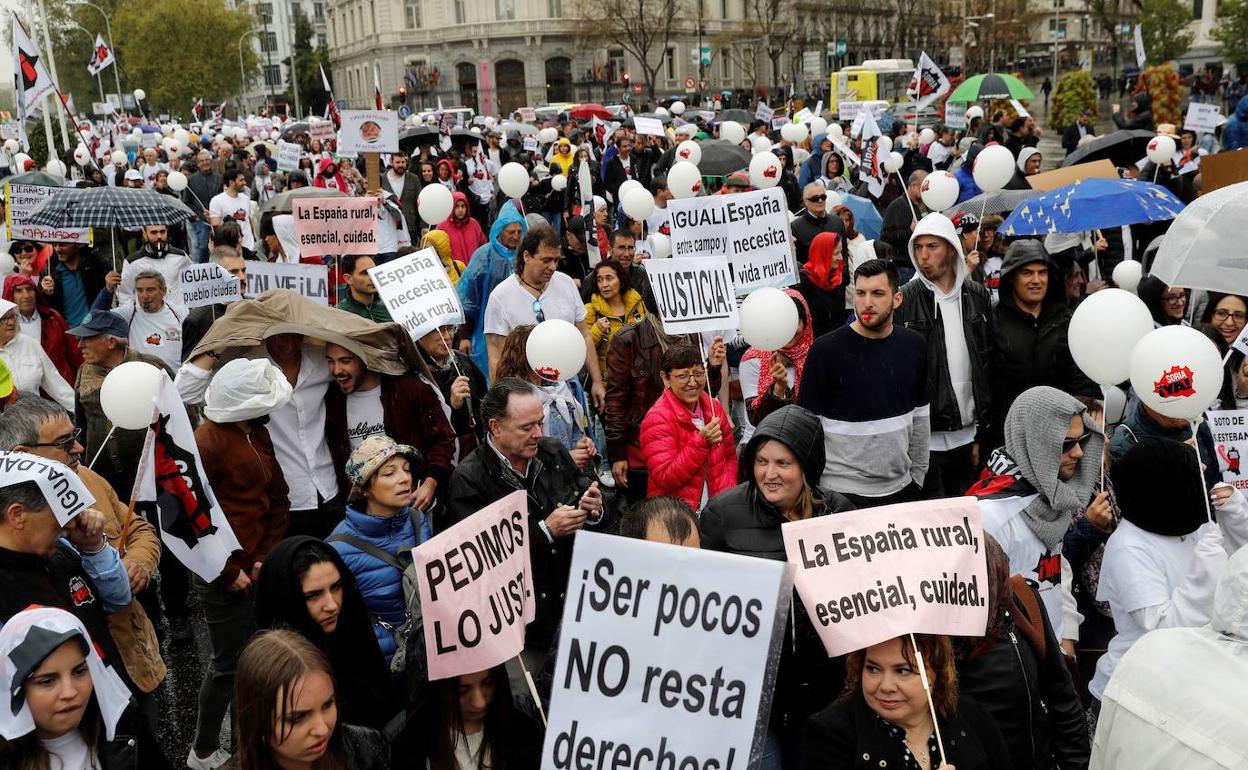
[[1024, 155], [454, 177], [507, 215], [440, 242], [1159, 488], [824, 265], [284, 229], [26, 641], [465, 235], [372, 453], [246, 389], [796, 353], [13, 280], [851, 231], [340, 182]]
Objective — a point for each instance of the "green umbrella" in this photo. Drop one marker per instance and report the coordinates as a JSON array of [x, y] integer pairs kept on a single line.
[[991, 86]]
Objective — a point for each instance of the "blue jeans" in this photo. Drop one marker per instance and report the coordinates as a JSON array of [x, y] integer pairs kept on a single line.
[[199, 233]]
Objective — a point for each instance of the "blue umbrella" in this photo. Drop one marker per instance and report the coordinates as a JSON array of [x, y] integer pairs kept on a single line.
[[867, 219], [1090, 204]]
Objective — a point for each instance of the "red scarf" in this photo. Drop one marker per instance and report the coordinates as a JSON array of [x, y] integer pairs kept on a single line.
[[796, 353], [823, 265]]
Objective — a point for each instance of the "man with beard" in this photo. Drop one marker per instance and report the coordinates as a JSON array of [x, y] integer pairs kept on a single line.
[[155, 254], [867, 381]]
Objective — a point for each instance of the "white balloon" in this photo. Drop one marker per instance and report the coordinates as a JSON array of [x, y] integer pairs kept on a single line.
[[768, 318], [1161, 149], [788, 132], [174, 149], [19, 162], [974, 111], [927, 136], [684, 180], [834, 200], [1127, 275], [638, 204], [435, 204], [128, 393], [82, 156], [55, 168], [939, 190], [548, 135], [678, 108], [661, 112], [660, 246], [818, 126], [177, 181], [1115, 404], [182, 135], [513, 180], [835, 130], [765, 170], [994, 168], [137, 134], [1104, 330], [798, 133], [11, 146], [559, 182], [731, 131], [627, 185], [760, 144], [490, 122], [275, 134], [885, 143], [1176, 371], [893, 162], [7, 263], [118, 158], [556, 350], [140, 94], [689, 150]]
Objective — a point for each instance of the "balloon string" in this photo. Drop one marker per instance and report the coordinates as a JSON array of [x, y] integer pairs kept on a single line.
[[100, 451]]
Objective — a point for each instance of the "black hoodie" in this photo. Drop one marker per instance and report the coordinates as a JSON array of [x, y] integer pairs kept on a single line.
[[1141, 115]]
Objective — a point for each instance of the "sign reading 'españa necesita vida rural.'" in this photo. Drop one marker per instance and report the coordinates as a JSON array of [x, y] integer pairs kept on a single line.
[[750, 229]]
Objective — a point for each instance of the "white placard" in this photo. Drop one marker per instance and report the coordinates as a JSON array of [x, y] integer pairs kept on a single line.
[[1230, 441], [61, 488], [322, 130], [693, 294], [750, 229], [1140, 56], [21, 200], [312, 281], [779, 121], [418, 293], [368, 131], [634, 673], [803, 115], [1202, 118], [208, 284], [763, 113], [955, 115], [288, 156], [648, 126], [1019, 108]]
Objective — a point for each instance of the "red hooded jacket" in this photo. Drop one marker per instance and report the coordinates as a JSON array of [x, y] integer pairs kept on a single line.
[[339, 179], [61, 348], [678, 458], [466, 234]]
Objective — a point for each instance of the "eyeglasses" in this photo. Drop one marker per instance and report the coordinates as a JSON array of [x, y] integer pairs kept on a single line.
[[1177, 300], [1235, 315], [1068, 443], [537, 311], [817, 198], [67, 443], [681, 379]]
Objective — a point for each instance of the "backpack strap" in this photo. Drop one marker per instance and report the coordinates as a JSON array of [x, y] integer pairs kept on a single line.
[[1027, 616], [367, 547]]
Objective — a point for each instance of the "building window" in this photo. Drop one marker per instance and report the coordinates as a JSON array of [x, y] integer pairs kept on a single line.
[[321, 42], [272, 74], [506, 9], [411, 12], [459, 12], [1198, 9], [725, 66], [723, 9], [268, 42], [554, 8], [265, 12], [670, 64], [318, 12], [615, 65]]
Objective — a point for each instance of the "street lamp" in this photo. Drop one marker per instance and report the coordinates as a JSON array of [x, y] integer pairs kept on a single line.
[[973, 21], [242, 73], [108, 29]]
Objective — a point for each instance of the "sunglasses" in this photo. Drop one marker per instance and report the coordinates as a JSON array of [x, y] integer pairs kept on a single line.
[[1068, 443], [537, 311], [817, 198]]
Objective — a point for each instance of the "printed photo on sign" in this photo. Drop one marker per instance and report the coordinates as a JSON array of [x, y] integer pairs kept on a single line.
[[872, 575], [664, 651], [693, 294], [368, 131], [311, 281], [64, 492], [750, 229], [418, 293], [1230, 441]]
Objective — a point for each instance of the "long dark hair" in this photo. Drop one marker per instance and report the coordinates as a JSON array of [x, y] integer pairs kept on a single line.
[[268, 670], [443, 724]]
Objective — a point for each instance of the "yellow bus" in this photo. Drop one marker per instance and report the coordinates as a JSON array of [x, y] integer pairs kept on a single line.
[[874, 80]]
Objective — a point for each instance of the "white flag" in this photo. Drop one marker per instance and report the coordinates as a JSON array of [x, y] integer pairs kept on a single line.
[[871, 168], [101, 56], [928, 83], [32, 81]]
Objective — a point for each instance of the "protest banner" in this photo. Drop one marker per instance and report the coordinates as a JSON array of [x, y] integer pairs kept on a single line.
[[869, 576], [207, 284], [693, 294], [779, 121], [312, 281], [336, 226], [288, 156], [368, 131], [666, 652], [476, 589], [61, 488], [1202, 118], [1230, 440], [648, 126], [21, 200], [418, 293], [321, 130], [1019, 108], [751, 229], [764, 113]]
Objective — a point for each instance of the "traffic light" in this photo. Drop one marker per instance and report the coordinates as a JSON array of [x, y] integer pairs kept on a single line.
[[403, 94], [627, 78]]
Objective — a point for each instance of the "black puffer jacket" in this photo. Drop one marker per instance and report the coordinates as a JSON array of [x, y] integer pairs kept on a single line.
[[741, 521], [805, 227], [1032, 699]]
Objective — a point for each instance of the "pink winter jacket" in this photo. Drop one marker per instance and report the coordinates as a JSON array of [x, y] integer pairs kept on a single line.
[[678, 458]]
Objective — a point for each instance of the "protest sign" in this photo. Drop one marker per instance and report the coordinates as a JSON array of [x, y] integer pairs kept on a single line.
[[288, 156], [1019, 109], [666, 652], [336, 226], [1060, 177], [869, 576], [803, 115], [694, 294], [764, 113], [321, 130], [312, 281], [476, 589], [21, 200], [368, 131], [955, 115], [207, 284], [418, 293], [1230, 440], [779, 121], [1223, 169], [1202, 118], [529, 144], [60, 486], [648, 126], [751, 229]]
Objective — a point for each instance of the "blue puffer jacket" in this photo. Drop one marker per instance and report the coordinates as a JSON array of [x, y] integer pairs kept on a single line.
[[1235, 134], [380, 583]]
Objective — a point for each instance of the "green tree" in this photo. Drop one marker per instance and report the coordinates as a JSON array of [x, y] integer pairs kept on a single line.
[[1166, 33], [1074, 94], [178, 50], [1231, 31], [308, 63]]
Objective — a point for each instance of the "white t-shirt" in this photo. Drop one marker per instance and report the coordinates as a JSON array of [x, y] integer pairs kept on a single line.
[[396, 183], [659, 221], [1139, 569], [511, 305], [365, 416], [1003, 519], [157, 334], [264, 187], [69, 752], [747, 374], [149, 174], [236, 209], [32, 327]]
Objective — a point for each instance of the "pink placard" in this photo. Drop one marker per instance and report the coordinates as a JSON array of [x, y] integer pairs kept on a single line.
[[476, 589], [872, 575], [336, 226]]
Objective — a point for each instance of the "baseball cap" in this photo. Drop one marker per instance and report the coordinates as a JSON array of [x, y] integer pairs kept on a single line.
[[965, 222], [103, 322], [133, 175], [737, 179]]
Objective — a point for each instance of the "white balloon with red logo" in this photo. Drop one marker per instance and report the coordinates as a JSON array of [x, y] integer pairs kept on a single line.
[[1161, 149], [555, 350], [1176, 371], [765, 170], [684, 180], [939, 190], [994, 168], [689, 150]]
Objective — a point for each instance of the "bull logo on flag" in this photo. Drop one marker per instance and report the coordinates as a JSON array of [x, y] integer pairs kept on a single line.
[[101, 54], [28, 64], [184, 509]]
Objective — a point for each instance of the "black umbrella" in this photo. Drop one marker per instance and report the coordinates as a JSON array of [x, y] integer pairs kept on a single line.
[[110, 207], [415, 136], [721, 158], [284, 202], [740, 116], [1122, 148], [290, 131]]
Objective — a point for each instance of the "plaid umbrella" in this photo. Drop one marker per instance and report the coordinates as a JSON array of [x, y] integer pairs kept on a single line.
[[994, 203], [110, 207]]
